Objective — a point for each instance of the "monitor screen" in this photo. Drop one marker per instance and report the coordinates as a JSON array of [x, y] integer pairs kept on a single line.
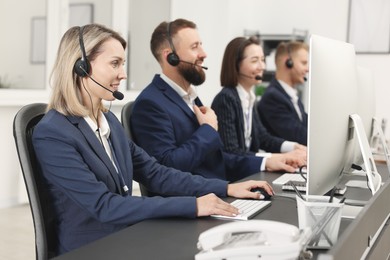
[[332, 98]]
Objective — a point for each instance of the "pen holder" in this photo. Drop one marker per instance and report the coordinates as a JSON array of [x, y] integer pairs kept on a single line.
[[323, 217]]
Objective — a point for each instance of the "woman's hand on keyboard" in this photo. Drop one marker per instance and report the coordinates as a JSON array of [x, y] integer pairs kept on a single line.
[[210, 204], [243, 189]]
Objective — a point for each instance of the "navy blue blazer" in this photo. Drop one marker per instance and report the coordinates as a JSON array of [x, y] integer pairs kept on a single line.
[[85, 187], [164, 125], [279, 116], [227, 106]]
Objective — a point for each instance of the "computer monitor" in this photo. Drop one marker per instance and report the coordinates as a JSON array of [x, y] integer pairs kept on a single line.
[[372, 123], [366, 111], [362, 157], [332, 91]]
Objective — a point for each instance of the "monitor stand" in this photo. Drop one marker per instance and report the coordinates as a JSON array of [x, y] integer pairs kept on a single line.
[[377, 129], [374, 180]]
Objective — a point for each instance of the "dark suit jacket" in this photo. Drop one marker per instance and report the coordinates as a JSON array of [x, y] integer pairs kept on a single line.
[[228, 108], [164, 125], [279, 116], [85, 187]]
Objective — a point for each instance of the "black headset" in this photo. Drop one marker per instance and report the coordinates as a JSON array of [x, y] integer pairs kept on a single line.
[[82, 67], [172, 58], [289, 61]]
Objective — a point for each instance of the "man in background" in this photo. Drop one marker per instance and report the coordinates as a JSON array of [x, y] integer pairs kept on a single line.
[[280, 108], [170, 122]]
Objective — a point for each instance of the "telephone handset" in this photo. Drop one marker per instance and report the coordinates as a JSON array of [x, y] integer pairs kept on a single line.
[[251, 239]]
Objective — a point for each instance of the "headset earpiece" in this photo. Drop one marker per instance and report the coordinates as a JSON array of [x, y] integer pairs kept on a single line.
[[289, 61], [172, 58], [82, 67]]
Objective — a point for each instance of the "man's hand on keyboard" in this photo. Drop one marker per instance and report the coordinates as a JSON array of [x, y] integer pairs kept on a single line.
[[287, 162], [300, 147], [243, 189], [210, 204]]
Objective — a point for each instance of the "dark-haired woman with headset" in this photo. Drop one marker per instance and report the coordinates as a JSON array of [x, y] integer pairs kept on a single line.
[[88, 162], [239, 124]]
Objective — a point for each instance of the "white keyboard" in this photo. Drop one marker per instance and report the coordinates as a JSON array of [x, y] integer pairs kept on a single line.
[[284, 178], [301, 186], [300, 183], [248, 208]]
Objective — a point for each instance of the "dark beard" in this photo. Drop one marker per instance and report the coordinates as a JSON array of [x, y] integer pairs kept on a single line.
[[191, 74]]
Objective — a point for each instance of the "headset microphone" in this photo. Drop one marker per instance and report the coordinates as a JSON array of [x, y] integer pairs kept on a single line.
[[257, 77], [203, 67], [118, 95], [304, 78]]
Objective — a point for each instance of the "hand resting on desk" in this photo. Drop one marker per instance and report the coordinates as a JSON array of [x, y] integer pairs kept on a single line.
[[210, 204]]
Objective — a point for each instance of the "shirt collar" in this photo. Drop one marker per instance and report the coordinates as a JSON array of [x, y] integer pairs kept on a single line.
[[292, 92], [188, 97], [104, 126], [247, 99]]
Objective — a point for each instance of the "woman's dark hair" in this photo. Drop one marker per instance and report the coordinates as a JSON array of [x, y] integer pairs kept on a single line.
[[234, 54]]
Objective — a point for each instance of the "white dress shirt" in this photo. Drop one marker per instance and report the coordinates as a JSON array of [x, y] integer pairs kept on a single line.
[[293, 93], [188, 97], [103, 134], [247, 103]]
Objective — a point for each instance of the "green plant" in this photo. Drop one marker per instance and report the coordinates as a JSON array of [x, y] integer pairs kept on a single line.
[[259, 90]]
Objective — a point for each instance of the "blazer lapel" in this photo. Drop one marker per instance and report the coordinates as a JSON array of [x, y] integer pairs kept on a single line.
[[172, 95], [96, 146], [281, 90], [239, 105], [303, 112], [116, 144]]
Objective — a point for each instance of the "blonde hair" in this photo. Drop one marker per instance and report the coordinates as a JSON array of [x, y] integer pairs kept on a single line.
[[289, 49], [66, 95]]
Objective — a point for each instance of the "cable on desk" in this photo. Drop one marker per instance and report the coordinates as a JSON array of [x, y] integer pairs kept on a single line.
[[284, 196], [301, 173]]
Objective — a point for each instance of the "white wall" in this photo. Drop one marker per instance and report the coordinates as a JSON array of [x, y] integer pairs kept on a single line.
[[218, 22], [380, 65], [15, 24], [145, 15]]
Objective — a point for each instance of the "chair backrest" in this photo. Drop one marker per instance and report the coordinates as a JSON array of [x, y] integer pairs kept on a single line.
[[127, 109], [40, 203]]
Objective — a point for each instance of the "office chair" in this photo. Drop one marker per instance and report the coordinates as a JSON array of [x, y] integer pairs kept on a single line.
[[40, 204], [127, 109]]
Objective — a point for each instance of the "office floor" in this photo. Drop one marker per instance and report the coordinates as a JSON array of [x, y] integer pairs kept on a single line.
[[16, 233], [17, 240]]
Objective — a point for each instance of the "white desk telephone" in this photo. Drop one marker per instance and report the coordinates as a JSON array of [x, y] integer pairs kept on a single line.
[[252, 239]]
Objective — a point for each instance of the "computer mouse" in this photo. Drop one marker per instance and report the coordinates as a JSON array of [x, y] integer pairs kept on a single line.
[[263, 192]]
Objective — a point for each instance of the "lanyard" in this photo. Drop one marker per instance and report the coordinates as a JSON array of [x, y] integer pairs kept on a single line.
[[247, 123]]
